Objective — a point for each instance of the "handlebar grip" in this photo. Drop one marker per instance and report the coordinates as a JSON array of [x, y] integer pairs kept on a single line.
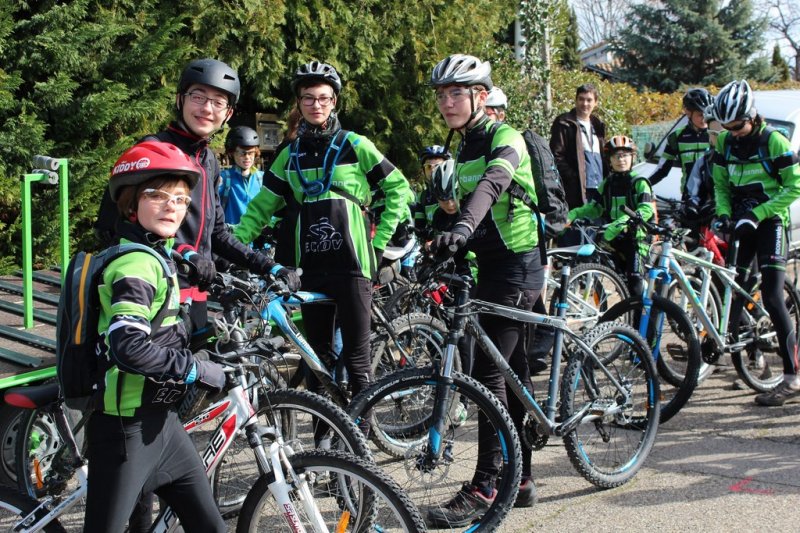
[[628, 211], [45, 162]]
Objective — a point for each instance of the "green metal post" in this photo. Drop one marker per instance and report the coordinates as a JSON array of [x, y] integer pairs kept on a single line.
[[63, 201], [27, 247]]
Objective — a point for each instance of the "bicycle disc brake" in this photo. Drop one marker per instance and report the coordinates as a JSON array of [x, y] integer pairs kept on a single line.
[[530, 435], [709, 351]]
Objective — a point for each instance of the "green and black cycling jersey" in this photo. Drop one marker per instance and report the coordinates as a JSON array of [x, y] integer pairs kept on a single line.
[[684, 146], [491, 159], [140, 372], [619, 189], [331, 229], [755, 175]]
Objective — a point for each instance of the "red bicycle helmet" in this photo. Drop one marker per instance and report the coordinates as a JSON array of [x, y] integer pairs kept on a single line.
[[147, 160]]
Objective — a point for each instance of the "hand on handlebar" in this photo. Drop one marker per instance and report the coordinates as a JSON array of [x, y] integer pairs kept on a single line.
[[722, 224], [289, 276]]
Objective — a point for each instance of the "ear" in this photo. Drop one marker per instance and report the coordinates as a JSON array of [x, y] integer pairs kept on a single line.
[[133, 216]]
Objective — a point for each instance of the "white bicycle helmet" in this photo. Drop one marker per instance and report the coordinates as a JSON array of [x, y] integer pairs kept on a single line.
[[497, 98], [734, 102], [460, 69], [444, 181]]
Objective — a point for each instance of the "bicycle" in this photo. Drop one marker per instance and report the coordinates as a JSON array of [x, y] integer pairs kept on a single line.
[[307, 420], [754, 355], [359, 497], [670, 334], [609, 397]]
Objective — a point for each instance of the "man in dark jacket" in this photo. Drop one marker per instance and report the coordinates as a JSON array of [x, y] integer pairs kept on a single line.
[[576, 138]]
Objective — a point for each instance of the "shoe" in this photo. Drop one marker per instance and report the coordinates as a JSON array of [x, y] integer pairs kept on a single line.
[[778, 396], [526, 497], [467, 505], [537, 366]]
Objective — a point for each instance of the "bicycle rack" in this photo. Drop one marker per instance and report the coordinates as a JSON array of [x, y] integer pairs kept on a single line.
[[50, 171]]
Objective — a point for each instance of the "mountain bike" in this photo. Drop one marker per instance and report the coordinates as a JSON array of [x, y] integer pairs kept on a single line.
[[609, 404], [317, 490]]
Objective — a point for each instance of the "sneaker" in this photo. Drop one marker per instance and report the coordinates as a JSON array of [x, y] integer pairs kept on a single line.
[[468, 504], [780, 395], [526, 497]]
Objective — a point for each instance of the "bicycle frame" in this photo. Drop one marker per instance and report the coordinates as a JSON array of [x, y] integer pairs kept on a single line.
[[237, 414], [465, 316]]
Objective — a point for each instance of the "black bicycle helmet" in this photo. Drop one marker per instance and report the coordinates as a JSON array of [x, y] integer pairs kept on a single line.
[[460, 69], [212, 73], [241, 136], [697, 100], [444, 181], [317, 71], [433, 151], [734, 102]]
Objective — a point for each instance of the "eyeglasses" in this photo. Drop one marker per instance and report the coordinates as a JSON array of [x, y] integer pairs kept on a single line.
[[201, 99], [455, 95], [309, 101], [162, 198], [246, 153], [431, 165], [736, 127], [622, 155]]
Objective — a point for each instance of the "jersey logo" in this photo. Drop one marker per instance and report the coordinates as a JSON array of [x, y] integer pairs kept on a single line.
[[323, 237]]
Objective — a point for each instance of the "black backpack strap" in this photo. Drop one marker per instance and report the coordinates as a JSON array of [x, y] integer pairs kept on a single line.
[[763, 153]]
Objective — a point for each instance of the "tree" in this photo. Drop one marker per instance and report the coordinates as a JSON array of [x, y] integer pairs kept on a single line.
[[84, 79], [570, 57], [779, 64], [678, 42], [599, 20], [784, 19]]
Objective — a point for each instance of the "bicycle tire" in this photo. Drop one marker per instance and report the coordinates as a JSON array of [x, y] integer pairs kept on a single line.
[[631, 365], [10, 417], [679, 358], [713, 310], [423, 338], [388, 507], [763, 372], [432, 485], [597, 287], [300, 415], [18, 505]]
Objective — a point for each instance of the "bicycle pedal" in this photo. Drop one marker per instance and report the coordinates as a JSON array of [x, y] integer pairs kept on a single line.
[[677, 352]]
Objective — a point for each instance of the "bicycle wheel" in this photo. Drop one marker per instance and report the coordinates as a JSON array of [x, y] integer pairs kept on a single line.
[[409, 396], [350, 495], [419, 341], [616, 432], [675, 348], [15, 506], [306, 421], [593, 289], [41, 455], [761, 365], [10, 417], [708, 349]]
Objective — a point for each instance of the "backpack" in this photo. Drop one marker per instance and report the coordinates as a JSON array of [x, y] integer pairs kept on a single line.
[[763, 154], [550, 195], [77, 354]]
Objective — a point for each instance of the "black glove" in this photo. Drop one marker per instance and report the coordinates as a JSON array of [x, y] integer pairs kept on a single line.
[[443, 241], [722, 224], [288, 276], [378, 257], [209, 375], [745, 226], [260, 263], [201, 270]]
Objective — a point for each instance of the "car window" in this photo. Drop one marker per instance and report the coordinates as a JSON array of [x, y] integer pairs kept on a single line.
[[787, 128]]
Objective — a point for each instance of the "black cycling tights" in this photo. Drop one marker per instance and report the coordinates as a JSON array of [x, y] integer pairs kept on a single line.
[[769, 247], [148, 453]]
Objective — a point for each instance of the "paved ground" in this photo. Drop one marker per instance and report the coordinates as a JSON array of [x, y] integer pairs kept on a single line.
[[722, 464]]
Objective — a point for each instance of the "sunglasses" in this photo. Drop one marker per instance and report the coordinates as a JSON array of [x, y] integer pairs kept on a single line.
[[736, 127]]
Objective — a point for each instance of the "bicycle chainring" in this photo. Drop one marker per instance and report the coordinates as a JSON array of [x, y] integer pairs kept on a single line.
[[529, 434], [709, 351]]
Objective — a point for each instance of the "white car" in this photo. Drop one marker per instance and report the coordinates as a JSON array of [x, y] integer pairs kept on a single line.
[[781, 109]]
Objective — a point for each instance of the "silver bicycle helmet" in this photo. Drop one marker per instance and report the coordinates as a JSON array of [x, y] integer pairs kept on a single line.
[[317, 71], [497, 98], [460, 69], [734, 102]]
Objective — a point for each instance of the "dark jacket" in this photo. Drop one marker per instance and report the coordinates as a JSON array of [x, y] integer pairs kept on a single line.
[[566, 143]]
